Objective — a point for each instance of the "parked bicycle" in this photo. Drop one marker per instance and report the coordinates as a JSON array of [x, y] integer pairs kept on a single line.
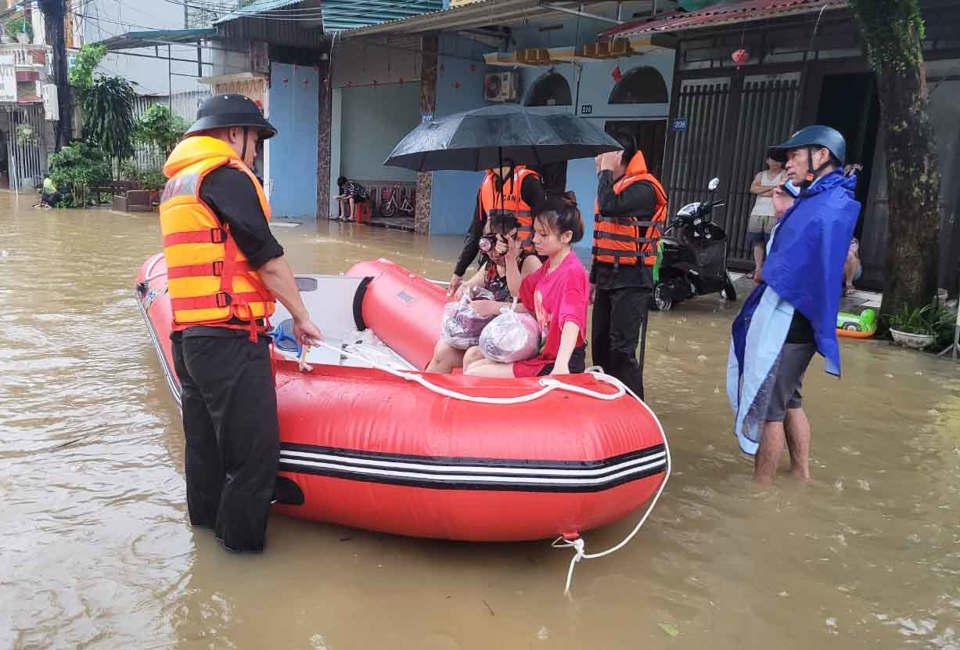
[[396, 200]]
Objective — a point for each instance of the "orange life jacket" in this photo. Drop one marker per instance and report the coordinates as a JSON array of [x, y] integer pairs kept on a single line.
[[509, 202], [208, 277], [630, 240]]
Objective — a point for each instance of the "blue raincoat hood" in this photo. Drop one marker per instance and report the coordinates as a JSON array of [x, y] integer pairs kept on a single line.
[[809, 248]]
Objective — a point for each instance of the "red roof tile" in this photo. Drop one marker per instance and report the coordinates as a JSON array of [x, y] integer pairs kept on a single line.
[[723, 14]]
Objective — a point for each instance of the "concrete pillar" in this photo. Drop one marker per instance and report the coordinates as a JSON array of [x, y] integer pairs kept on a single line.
[[323, 140], [428, 104]]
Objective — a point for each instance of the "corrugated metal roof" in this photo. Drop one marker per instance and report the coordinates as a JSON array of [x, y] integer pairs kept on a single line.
[[481, 13], [724, 14], [335, 15], [277, 10], [340, 15], [132, 40]]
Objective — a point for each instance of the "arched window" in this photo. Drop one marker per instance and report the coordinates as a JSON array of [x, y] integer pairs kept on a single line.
[[642, 85], [551, 89]]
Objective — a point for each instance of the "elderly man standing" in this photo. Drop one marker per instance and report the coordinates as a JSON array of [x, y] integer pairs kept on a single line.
[[224, 271], [792, 312]]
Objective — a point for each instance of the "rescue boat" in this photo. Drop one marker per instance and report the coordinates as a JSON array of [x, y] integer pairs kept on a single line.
[[370, 441]]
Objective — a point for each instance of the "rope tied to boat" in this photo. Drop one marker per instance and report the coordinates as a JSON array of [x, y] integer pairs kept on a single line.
[[577, 543], [547, 384]]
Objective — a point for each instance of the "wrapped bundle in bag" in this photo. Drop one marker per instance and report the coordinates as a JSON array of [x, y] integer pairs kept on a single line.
[[511, 337], [461, 325]]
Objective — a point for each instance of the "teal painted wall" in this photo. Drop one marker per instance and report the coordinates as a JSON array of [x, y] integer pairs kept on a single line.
[[373, 121]]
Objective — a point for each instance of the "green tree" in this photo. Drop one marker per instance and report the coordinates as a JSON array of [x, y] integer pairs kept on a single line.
[[81, 73], [108, 116], [160, 127], [892, 32]]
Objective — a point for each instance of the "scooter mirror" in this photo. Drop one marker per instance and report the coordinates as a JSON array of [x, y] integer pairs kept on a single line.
[[713, 184]]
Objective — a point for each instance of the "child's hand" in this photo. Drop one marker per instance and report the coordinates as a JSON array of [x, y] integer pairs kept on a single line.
[[513, 249]]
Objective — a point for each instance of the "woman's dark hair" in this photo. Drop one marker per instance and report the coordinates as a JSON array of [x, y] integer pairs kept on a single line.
[[560, 214], [629, 144], [341, 181]]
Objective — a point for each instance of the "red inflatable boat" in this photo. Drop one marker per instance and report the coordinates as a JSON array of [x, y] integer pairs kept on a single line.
[[370, 442]]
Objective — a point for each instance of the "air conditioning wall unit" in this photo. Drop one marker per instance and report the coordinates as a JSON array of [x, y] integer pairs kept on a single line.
[[501, 86]]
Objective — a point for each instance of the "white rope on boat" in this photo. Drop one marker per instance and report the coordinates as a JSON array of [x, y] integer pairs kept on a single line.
[[547, 384], [578, 544]]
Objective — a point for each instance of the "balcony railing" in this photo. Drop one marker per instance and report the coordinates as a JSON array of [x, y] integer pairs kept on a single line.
[[24, 68]]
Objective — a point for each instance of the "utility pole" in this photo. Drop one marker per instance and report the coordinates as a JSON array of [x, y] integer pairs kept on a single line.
[[54, 14]]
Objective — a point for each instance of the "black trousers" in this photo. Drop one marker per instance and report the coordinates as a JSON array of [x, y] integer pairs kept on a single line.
[[618, 315], [232, 435]]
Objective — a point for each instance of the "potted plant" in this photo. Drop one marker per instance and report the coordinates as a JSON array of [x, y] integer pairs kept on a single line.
[[26, 135], [917, 328], [19, 29]]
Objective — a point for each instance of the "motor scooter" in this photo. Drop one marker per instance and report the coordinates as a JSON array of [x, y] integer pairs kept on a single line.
[[692, 255]]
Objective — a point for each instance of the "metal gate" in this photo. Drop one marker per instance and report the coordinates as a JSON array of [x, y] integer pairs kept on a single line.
[[25, 147], [767, 115], [731, 121], [695, 155]]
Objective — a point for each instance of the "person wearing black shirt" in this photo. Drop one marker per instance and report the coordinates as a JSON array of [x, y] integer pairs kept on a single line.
[[622, 285], [228, 397]]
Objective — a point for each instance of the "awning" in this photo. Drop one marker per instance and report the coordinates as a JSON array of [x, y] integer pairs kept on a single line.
[[723, 14], [479, 14], [332, 15], [132, 40]]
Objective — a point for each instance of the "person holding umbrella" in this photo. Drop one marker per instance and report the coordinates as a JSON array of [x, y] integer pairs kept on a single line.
[[631, 210], [508, 198]]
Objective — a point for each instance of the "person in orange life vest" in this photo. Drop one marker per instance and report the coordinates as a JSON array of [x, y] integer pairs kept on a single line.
[[506, 194], [224, 271], [558, 294], [630, 213]]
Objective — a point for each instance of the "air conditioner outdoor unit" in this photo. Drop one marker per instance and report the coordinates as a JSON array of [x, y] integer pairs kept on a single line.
[[501, 86]]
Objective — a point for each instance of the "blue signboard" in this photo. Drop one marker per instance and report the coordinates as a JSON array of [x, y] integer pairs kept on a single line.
[[679, 124]]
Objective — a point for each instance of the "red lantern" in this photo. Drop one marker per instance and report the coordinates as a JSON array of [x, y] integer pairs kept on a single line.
[[740, 57]]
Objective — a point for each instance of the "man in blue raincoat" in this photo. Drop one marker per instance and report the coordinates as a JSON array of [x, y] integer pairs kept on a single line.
[[792, 313]]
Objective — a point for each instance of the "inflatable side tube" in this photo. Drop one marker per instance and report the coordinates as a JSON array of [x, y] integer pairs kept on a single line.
[[403, 309]]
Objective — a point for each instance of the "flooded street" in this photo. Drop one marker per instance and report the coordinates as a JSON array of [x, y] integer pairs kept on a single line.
[[96, 552]]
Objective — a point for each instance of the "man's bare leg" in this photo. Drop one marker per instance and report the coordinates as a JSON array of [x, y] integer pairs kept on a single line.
[[758, 254], [767, 460], [798, 442]]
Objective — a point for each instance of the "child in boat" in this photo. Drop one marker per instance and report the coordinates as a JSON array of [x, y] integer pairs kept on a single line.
[[499, 276], [557, 294]]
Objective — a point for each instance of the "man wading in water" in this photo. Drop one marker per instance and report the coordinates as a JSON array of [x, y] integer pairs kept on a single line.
[[224, 269], [792, 313]]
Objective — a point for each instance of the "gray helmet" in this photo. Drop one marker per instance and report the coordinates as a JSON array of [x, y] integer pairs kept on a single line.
[[223, 111], [815, 135]]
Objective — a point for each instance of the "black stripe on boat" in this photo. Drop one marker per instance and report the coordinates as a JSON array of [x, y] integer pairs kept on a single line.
[[474, 473]]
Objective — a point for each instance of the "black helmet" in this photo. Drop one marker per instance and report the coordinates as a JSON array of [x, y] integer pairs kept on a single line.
[[223, 111], [815, 135]]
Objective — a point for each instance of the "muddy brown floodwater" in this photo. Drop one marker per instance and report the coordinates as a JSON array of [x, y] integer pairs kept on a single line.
[[95, 550]]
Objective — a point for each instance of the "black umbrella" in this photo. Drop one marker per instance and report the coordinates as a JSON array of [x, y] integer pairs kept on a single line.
[[487, 137]]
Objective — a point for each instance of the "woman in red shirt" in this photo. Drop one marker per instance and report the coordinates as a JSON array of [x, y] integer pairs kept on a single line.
[[557, 294]]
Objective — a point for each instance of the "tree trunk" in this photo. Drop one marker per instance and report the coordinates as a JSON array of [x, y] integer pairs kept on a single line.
[[54, 14], [892, 32]]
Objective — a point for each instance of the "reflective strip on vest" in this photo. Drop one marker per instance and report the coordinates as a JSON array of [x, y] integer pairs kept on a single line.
[[180, 185]]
